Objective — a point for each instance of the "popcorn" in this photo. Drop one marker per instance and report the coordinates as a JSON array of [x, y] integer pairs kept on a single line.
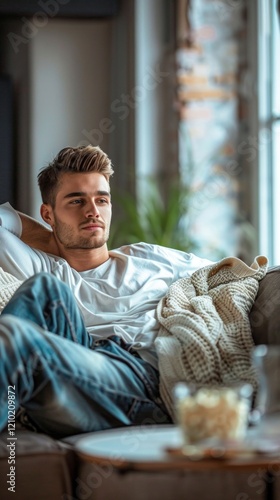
[[213, 413]]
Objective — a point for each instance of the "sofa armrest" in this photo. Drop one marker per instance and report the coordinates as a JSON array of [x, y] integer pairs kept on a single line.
[[265, 313]]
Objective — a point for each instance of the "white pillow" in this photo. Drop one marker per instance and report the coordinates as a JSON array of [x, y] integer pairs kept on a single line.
[[8, 285]]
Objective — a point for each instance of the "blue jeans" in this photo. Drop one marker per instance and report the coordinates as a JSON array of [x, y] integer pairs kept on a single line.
[[66, 382]]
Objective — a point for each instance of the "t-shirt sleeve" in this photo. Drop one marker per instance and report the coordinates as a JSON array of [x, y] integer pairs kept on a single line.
[[183, 264], [196, 262]]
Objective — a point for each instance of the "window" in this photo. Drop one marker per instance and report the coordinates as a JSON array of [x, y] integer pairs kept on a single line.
[[269, 129]]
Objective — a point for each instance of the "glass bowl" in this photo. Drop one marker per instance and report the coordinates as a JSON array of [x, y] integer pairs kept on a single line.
[[218, 413]]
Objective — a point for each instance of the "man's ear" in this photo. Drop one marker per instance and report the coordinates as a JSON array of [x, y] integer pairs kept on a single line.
[[47, 214]]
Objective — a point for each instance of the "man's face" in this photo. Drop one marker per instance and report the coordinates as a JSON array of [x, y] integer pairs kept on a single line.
[[82, 214]]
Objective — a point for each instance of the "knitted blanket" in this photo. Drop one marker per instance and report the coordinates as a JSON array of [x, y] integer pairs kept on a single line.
[[8, 285], [205, 334]]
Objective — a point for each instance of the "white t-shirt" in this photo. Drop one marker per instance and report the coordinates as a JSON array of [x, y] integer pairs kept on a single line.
[[119, 297]]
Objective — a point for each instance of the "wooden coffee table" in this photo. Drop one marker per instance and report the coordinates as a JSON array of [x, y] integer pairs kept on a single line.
[[151, 454]]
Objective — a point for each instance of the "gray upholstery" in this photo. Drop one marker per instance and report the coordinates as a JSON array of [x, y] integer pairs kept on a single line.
[[265, 313], [45, 467]]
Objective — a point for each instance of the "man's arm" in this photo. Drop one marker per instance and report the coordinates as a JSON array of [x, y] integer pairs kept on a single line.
[[36, 235], [29, 230], [16, 257]]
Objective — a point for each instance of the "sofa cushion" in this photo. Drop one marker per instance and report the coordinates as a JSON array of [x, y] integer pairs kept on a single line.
[[265, 313], [45, 468]]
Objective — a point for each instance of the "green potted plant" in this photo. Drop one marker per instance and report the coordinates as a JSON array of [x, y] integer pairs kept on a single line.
[[157, 219]]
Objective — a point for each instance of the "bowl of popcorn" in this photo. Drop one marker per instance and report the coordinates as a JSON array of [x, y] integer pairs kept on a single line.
[[212, 412]]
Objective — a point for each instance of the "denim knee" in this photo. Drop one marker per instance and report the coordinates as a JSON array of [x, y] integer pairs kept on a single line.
[[9, 324], [41, 288], [48, 283], [15, 337], [50, 304]]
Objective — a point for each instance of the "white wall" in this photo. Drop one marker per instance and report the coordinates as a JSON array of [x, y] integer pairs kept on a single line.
[[152, 79], [69, 89]]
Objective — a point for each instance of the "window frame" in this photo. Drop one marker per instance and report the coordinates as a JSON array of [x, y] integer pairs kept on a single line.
[[268, 105]]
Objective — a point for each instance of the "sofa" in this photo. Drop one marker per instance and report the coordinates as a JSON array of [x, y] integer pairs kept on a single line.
[[50, 469]]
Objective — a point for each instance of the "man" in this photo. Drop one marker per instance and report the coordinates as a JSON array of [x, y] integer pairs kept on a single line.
[[77, 338]]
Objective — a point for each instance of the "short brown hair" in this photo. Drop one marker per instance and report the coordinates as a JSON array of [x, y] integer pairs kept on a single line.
[[72, 160]]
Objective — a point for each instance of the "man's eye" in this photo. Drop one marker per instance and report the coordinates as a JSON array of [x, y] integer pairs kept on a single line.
[[103, 200], [75, 202]]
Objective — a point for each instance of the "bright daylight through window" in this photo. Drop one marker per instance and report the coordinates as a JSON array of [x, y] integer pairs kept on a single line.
[[269, 128]]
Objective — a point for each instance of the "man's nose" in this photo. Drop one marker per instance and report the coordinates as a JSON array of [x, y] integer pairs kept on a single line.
[[92, 210]]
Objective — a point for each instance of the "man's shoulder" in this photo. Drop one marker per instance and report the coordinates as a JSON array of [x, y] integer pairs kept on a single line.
[[140, 249], [150, 251], [164, 255]]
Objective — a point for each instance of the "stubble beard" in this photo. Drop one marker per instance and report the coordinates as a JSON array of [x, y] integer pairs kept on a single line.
[[66, 237]]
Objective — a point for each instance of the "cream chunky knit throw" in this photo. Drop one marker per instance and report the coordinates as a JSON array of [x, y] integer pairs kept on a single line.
[[205, 334], [8, 285]]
